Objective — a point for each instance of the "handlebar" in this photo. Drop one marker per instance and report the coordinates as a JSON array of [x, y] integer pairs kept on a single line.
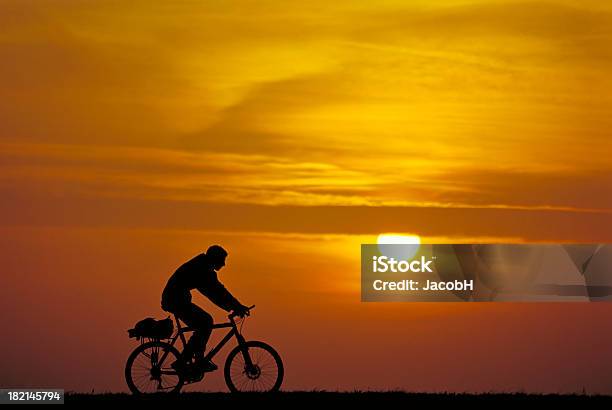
[[233, 314]]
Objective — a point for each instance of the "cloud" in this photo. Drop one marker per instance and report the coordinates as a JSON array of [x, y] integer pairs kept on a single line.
[[22, 208], [221, 177], [108, 171], [561, 23], [574, 189]]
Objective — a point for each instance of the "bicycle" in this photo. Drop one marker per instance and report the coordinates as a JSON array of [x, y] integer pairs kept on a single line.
[[250, 366]]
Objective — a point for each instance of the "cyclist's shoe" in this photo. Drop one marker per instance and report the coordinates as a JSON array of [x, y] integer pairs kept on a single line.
[[206, 366], [179, 366], [194, 374]]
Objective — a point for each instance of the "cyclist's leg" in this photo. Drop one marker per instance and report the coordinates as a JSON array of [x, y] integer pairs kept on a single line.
[[199, 320]]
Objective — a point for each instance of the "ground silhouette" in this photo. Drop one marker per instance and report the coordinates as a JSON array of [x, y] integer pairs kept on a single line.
[[324, 397]]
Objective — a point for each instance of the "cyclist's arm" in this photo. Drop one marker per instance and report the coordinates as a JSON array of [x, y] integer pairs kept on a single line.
[[220, 296]]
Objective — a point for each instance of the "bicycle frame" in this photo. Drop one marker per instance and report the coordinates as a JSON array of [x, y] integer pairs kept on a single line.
[[180, 334]]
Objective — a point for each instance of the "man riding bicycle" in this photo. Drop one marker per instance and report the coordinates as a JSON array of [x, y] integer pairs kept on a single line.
[[199, 273]]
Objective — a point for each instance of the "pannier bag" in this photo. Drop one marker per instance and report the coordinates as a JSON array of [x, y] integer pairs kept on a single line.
[[152, 329]]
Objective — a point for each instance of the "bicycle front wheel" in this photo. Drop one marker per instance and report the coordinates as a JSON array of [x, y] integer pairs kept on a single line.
[[148, 369], [264, 373]]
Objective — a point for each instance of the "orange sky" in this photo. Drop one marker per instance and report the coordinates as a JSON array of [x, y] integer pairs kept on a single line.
[[135, 134]]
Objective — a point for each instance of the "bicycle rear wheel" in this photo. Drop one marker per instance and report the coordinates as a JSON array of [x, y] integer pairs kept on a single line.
[[148, 369], [265, 375]]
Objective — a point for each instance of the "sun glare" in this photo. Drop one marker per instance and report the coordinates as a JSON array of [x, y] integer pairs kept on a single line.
[[398, 239]]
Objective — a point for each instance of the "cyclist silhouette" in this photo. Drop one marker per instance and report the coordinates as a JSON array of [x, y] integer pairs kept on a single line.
[[199, 273]]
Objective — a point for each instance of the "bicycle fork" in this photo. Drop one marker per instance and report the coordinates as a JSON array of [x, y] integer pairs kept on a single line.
[[250, 367]]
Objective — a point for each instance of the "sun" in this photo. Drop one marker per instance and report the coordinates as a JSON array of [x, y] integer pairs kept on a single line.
[[398, 239], [387, 241]]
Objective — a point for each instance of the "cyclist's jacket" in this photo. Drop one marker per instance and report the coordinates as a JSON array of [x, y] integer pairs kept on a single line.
[[196, 274]]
